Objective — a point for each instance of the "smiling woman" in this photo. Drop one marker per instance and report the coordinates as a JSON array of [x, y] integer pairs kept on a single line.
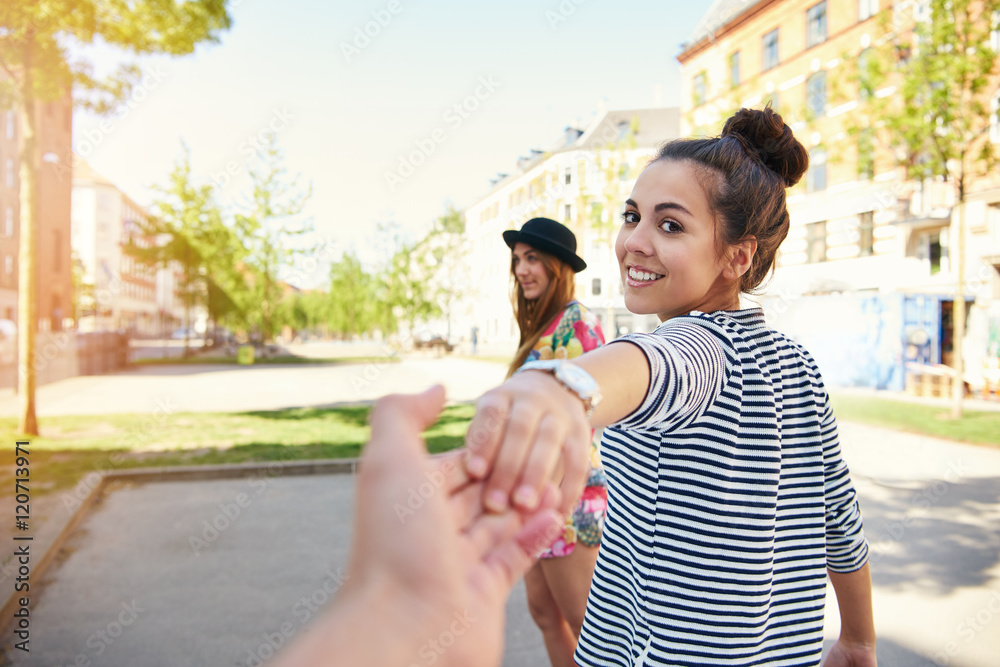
[[731, 502]]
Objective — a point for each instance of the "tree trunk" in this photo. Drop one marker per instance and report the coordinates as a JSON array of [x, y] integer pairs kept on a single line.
[[27, 253], [958, 311]]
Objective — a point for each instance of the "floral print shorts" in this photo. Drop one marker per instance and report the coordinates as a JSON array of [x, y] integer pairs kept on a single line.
[[586, 523]]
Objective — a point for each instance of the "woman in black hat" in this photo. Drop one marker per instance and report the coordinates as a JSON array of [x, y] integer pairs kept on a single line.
[[555, 326]]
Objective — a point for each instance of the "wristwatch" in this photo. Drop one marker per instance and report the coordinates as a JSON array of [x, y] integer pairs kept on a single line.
[[572, 377]]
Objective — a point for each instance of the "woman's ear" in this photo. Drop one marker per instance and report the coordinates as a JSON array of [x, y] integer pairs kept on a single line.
[[740, 258]]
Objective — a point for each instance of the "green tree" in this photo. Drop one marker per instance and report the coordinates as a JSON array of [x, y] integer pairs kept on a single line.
[[352, 298], [187, 230], [268, 229], [34, 57], [448, 277], [937, 123]]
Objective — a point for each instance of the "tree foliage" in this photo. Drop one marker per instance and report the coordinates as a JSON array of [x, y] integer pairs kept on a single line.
[[36, 66]]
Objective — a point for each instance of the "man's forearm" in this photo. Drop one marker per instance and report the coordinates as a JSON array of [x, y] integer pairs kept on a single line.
[[854, 598]]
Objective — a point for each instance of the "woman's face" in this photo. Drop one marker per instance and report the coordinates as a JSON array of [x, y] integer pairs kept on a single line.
[[666, 246], [529, 271]]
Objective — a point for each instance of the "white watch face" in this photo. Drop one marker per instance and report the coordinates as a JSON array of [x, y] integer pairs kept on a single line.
[[578, 379]]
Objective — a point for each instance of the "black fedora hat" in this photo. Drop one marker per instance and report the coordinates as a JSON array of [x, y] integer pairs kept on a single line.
[[548, 236]]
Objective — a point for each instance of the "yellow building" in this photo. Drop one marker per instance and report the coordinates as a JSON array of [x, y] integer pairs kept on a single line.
[[858, 226]]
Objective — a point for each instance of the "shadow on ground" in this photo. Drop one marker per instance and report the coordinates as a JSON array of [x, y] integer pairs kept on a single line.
[[938, 536]]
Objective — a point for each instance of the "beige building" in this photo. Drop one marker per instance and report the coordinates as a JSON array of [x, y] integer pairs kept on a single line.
[[126, 293], [582, 181], [859, 227]]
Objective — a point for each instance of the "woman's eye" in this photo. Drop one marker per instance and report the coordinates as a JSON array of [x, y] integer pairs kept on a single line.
[[670, 226], [630, 217]]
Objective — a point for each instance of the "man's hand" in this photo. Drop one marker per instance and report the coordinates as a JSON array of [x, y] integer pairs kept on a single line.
[[429, 572]]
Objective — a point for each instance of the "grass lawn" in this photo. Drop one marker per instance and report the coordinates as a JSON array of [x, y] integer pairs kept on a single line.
[[981, 428], [71, 447]]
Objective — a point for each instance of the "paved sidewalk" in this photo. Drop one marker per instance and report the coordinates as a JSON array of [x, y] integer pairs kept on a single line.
[[136, 587]]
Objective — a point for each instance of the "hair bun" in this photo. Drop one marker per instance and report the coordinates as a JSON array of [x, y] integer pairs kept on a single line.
[[764, 134]]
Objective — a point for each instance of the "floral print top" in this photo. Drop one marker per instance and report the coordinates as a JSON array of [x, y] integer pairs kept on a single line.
[[574, 332]]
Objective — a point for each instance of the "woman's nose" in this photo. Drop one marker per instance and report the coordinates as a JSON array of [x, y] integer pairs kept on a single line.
[[637, 241]]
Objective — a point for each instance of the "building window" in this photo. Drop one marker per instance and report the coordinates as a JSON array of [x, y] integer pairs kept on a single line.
[[595, 287], [995, 31], [816, 24], [9, 169], [8, 265], [931, 250], [770, 55], [8, 222], [569, 212], [866, 88], [11, 119], [568, 177], [816, 242], [866, 154], [816, 175], [57, 251], [698, 89], [816, 94], [866, 233], [867, 9], [734, 69]]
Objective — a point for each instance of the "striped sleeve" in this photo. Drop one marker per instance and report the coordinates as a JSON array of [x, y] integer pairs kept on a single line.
[[846, 546], [687, 370]]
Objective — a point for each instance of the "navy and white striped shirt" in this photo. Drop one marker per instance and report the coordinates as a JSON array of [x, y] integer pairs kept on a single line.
[[728, 500]]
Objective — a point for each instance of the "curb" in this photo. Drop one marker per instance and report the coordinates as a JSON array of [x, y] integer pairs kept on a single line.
[[173, 474]]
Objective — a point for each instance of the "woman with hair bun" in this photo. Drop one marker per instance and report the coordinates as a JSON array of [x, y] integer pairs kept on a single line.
[[729, 503]]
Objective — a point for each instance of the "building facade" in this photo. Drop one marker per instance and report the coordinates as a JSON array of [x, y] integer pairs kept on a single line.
[[581, 181], [124, 292], [54, 279], [860, 230]]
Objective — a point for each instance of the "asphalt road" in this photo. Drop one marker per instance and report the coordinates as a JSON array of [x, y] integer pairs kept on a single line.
[[199, 583]]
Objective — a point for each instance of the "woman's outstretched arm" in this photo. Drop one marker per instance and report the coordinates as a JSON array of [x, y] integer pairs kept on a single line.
[[531, 428]]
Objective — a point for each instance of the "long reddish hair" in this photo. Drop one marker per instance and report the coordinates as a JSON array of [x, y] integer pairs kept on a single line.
[[534, 315]]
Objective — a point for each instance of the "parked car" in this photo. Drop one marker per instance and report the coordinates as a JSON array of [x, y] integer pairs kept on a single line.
[[432, 343]]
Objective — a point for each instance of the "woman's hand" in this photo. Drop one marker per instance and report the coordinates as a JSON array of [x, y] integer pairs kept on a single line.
[[844, 654], [527, 432]]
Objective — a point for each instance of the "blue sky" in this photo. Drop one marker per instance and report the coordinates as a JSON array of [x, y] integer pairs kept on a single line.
[[345, 117]]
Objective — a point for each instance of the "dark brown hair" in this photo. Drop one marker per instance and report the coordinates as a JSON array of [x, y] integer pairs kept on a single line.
[[534, 315], [746, 171]]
